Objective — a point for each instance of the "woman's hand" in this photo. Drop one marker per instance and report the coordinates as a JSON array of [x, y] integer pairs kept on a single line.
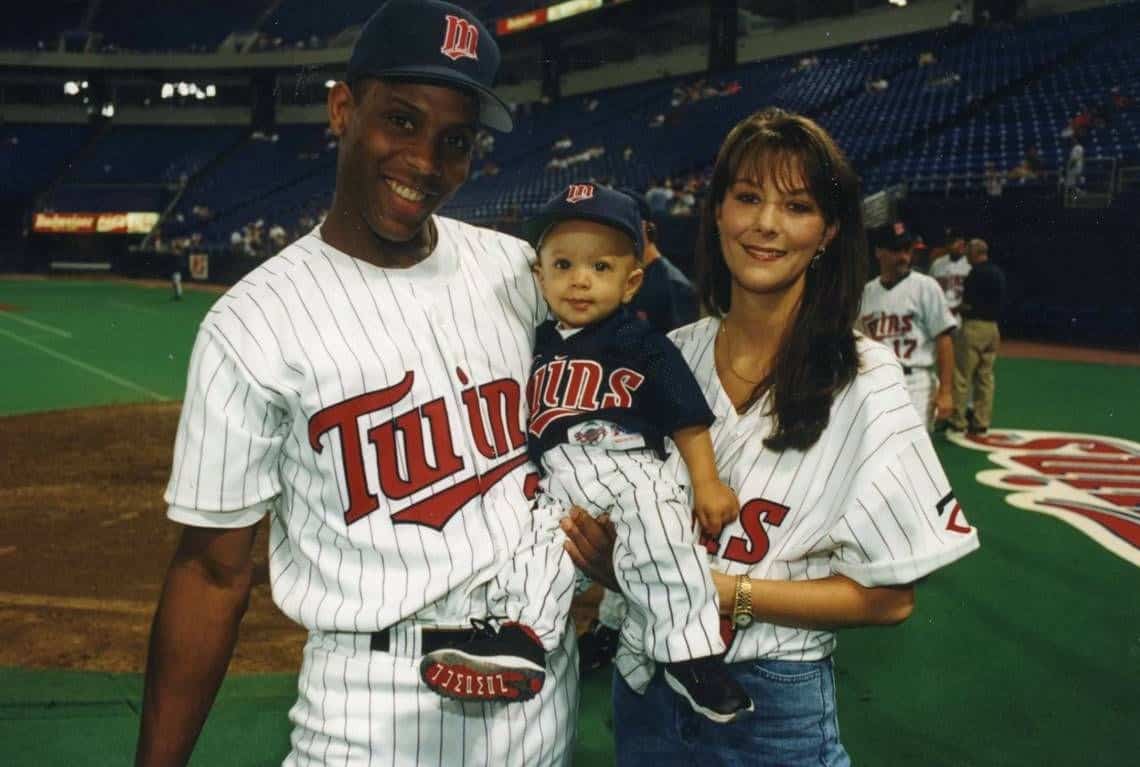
[[590, 543]]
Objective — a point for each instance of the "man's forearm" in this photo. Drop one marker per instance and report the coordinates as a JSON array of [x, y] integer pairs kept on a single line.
[[192, 639], [945, 349]]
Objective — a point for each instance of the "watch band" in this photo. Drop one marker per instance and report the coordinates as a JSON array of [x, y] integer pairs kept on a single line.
[[742, 602]]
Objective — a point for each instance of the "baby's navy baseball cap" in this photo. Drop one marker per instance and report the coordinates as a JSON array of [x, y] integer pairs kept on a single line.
[[589, 202], [434, 42]]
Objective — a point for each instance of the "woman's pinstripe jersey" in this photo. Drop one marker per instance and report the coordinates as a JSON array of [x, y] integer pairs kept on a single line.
[[869, 500], [377, 416]]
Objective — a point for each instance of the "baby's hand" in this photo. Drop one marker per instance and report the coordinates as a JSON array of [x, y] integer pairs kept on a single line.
[[715, 505]]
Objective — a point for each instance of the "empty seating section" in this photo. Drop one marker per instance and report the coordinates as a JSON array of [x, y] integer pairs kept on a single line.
[[32, 156], [170, 25], [983, 99], [260, 174], [153, 155]]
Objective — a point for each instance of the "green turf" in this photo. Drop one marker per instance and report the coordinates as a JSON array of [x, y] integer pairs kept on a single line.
[[1025, 653], [137, 335]]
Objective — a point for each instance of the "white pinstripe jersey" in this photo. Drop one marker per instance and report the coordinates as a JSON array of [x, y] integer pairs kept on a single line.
[[377, 415], [869, 500], [951, 276], [906, 317]]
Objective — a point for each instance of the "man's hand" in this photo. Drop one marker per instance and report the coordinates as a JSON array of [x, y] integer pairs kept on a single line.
[[715, 505], [943, 405], [590, 543]]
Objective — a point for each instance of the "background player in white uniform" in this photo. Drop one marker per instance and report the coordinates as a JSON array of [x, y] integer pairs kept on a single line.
[[843, 502], [907, 311], [364, 389], [950, 270]]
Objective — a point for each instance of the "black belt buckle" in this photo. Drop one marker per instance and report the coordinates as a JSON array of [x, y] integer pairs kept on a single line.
[[907, 371]]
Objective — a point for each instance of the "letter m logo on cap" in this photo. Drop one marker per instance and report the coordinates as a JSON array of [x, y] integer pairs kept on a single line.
[[579, 192], [460, 39]]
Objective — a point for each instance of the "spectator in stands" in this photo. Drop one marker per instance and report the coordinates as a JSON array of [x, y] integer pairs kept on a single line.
[[1029, 168], [876, 84], [976, 344], [994, 181], [659, 195]]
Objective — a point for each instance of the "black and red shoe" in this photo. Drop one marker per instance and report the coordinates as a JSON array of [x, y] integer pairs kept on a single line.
[[506, 664]]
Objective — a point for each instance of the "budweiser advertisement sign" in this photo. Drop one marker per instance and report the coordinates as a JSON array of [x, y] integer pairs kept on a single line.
[[94, 223], [1090, 481]]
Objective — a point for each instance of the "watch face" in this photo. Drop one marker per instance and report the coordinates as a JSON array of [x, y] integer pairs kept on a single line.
[[742, 621]]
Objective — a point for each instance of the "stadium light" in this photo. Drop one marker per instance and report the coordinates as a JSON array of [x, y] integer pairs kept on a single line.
[[183, 89], [168, 90], [898, 3], [211, 91], [108, 110], [330, 83], [71, 88], [83, 85], [200, 95]]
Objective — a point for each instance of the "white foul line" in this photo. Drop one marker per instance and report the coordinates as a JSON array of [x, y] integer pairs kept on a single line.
[[84, 366], [34, 324], [130, 607]]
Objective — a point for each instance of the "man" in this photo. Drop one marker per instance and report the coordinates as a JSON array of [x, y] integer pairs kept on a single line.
[[666, 299], [907, 311], [950, 270], [976, 347], [362, 388]]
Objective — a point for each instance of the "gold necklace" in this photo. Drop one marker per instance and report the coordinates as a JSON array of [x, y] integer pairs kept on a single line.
[[728, 351]]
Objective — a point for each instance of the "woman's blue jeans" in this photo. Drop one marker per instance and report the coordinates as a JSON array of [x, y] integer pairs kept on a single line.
[[795, 721]]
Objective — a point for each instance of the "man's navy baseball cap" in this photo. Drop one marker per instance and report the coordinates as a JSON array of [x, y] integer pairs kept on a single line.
[[433, 42], [589, 202]]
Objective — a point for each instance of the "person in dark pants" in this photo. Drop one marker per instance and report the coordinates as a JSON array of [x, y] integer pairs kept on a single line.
[[976, 344]]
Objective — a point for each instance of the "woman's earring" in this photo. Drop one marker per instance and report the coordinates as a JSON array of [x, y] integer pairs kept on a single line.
[[815, 259]]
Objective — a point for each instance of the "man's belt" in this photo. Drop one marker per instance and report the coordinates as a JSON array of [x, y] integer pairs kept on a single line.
[[430, 639]]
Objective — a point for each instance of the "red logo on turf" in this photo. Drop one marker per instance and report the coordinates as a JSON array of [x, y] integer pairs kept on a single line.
[[1089, 481], [579, 192], [460, 39]]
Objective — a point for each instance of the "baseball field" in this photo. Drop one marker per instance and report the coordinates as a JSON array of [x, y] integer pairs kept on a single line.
[[1025, 653]]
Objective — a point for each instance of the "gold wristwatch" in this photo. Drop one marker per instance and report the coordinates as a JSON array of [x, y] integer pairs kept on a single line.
[[742, 602]]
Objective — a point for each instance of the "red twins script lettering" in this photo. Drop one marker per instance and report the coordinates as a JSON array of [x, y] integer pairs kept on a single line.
[[563, 388], [493, 415], [754, 546]]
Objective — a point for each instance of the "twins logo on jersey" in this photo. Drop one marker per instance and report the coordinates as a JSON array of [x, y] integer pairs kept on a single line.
[[563, 388], [493, 412], [1091, 482], [460, 39], [885, 327]]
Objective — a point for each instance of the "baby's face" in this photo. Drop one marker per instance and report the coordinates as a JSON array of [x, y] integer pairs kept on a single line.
[[586, 270]]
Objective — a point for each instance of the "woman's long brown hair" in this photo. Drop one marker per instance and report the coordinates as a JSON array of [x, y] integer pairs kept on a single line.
[[817, 357]]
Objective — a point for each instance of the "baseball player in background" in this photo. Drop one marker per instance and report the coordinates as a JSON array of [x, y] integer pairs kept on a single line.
[[605, 391], [950, 270], [364, 390], [844, 505], [666, 300], [907, 311]]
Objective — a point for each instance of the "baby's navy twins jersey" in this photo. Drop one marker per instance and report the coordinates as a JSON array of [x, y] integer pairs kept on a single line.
[[616, 375]]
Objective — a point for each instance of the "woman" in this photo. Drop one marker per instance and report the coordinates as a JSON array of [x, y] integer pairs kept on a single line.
[[843, 502]]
